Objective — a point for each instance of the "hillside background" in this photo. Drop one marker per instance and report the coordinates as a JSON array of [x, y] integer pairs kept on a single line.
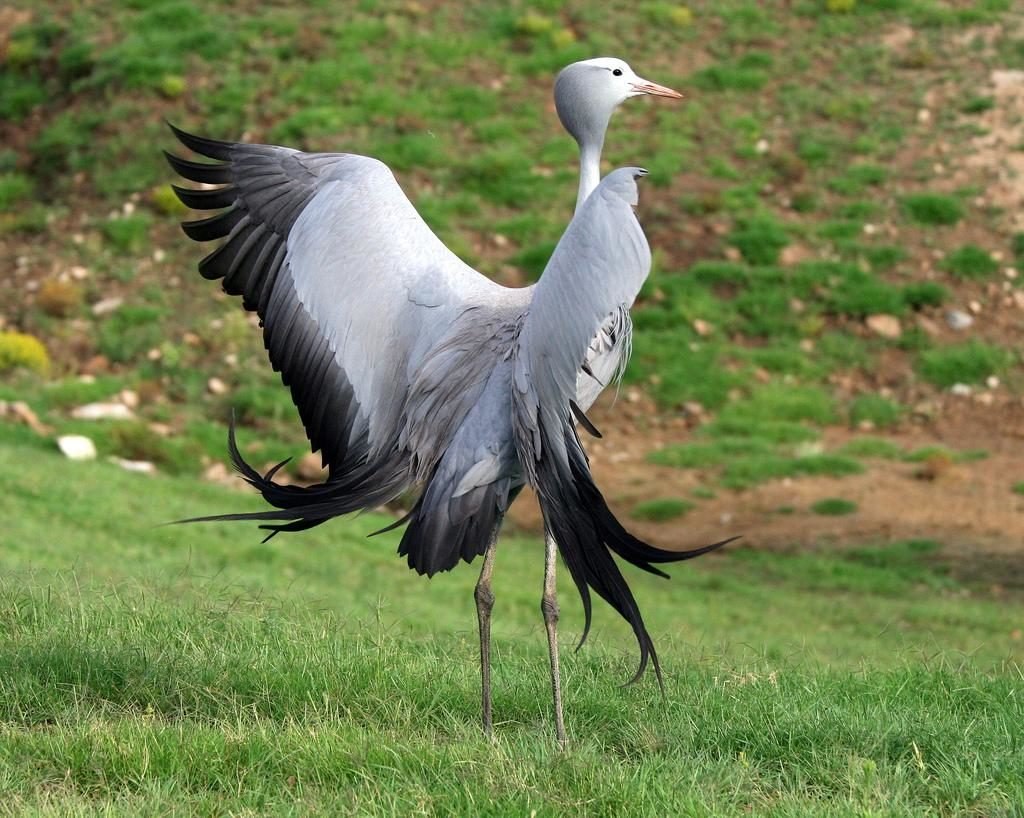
[[835, 314]]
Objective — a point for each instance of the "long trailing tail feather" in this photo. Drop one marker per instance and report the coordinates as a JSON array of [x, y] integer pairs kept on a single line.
[[303, 507], [577, 516]]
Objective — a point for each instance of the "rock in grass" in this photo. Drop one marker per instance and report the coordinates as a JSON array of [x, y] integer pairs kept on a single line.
[[220, 474], [137, 466], [105, 306], [958, 320], [77, 447], [885, 326], [311, 469], [215, 386], [102, 411], [23, 412]]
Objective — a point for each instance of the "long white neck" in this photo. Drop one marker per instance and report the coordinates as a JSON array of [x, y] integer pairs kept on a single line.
[[590, 169]]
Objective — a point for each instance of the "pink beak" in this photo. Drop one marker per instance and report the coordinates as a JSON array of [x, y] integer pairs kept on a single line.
[[655, 90]]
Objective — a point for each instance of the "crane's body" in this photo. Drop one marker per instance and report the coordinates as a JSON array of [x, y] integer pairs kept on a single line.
[[412, 370]]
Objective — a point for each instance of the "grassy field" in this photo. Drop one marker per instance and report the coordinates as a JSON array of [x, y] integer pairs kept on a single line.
[[171, 670]]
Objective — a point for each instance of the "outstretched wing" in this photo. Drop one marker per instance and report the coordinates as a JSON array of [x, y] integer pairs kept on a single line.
[[595, 273], [351, 284]]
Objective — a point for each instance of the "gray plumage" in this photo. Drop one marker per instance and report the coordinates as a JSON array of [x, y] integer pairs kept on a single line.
[[411, 370]]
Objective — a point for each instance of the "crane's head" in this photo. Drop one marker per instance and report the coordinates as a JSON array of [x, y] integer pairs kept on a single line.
[[587, 92]]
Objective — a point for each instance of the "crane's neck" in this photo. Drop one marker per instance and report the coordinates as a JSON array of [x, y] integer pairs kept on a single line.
[[590, 168]]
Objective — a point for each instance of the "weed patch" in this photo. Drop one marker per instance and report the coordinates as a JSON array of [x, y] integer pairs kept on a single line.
[[920, 294], [858, 178], [872, 447], [127, 234], [14, 188], [778, 402], [662, 510], [934, 209], [18, 350], [675, 375], [927, 453], [880, 412], [759, 239], [971, 362], [746, 74], [834, 507], [745, 472], [970, 262], [136, 441], [130, 332], [715, 453]]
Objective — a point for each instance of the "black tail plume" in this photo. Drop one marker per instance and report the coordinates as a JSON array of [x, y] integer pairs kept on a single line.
[[578, 518], [304, 507], [444, 529]]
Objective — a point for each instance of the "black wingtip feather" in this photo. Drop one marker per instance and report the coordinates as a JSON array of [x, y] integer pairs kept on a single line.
[[215, 227], [203, 172], [212, 148], [584, 421], [206, 199]]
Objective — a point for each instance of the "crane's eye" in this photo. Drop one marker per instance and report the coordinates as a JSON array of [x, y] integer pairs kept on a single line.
[[616, 72]]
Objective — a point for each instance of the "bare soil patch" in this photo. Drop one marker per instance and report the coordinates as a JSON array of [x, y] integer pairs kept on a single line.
[[967, 507]]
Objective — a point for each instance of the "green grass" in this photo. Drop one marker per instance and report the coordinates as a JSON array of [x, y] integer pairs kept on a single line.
[[748, 73], [919, 294], [660, 510], [759, 239], [931, 452], [778, 403], [856, 179], [713, 453], [149, 669], [127, 233], [1018, 488], [1017, 246], [131, 331], [879, 411], [834, 507], [745, 472], [970, 262], [757, 439], [872, 447], [933, 209], [14, 187], [970, 362]]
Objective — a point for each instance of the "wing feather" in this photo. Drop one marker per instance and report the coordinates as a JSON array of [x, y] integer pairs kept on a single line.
[[330, 253]]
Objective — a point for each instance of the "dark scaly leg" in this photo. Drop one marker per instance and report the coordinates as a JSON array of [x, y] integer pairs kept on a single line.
[[484, 603], [549, 607]]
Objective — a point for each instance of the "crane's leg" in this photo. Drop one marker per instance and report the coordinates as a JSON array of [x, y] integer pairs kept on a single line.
[[549, 607], [484, 603]]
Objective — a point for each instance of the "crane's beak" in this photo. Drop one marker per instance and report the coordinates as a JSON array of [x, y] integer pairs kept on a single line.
[[642, 86]]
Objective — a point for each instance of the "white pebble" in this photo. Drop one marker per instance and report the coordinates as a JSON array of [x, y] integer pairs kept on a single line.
[[77, 447]]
